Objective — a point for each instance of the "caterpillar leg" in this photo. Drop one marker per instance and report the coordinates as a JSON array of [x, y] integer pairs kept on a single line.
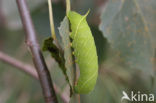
[[71, 44]]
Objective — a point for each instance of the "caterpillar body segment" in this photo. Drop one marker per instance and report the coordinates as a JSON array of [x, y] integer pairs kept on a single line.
[[84, 51]]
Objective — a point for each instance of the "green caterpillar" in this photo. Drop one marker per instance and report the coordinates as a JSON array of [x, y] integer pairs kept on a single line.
[[84, 51]]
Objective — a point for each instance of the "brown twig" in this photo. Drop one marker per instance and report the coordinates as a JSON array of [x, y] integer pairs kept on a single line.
[[39, 62], [16, 63], [29, 70]]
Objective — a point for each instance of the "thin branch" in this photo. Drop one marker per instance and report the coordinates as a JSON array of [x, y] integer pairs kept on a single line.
[[73, 58], [29, 70], [18, 64], [52, 26], [67, 6], [39, 62], [51, 20], [76, 96]]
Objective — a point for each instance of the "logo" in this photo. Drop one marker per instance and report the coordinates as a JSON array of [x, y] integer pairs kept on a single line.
[[137, 97]]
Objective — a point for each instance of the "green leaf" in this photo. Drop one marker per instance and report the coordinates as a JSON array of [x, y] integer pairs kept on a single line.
[[69, 64], [49, 46], [55, 53], [126, 30], [147, 10]]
